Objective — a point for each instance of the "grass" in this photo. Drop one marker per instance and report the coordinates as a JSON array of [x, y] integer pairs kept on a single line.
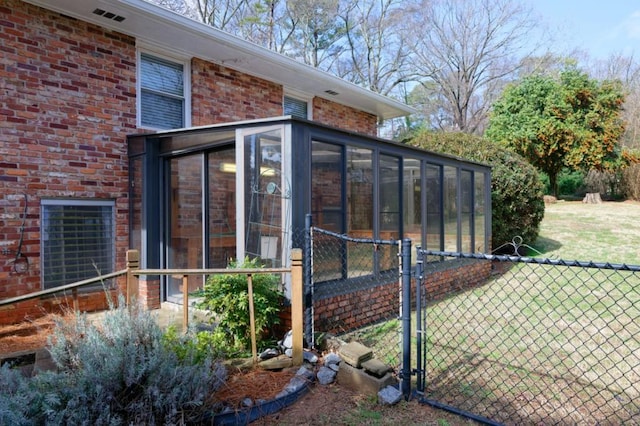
[[608, 232], [555, 342]]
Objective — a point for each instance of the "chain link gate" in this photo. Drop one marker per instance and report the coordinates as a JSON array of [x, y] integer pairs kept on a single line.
[[355, 290], [540, 341]]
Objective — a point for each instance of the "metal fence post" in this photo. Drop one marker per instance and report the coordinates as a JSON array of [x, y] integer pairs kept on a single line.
[[406, 318], [420, 330]]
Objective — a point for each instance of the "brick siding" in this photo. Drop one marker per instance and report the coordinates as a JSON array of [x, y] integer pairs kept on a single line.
[[68, 102], [347, 312]]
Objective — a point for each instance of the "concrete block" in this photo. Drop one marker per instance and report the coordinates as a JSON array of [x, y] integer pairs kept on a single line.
[[355, 353], [376, 367], [359, 380]]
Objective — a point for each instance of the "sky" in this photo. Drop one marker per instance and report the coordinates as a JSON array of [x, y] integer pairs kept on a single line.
[[599, 27]]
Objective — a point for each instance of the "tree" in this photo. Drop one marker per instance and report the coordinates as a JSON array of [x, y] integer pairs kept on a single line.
[[466, 51], [572, 122], [317, 33], [377, 56]]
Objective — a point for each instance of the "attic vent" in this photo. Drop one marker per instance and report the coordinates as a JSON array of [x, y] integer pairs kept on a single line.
[[331, 92], [109, 15]]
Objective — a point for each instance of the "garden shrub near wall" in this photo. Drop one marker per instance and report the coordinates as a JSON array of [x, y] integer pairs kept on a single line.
[[516, 188], [119, 371]]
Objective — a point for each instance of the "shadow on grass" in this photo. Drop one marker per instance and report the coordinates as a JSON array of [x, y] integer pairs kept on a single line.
[[545, 245]]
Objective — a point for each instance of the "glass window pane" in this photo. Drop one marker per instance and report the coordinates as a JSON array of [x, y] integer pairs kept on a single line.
[[326, 186], [266, 191], [434, 207], [78, 241], [161, 75], [466, 210], [480, 213], [389, 216], [185, 226], [222, 207], [295, 107], [359, 209], [412, 203], [162, 95], [161, 112], [450, 209]]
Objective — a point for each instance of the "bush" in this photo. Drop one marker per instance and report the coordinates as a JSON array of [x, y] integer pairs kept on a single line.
[[516, 187], [117, 372], [226, 298]]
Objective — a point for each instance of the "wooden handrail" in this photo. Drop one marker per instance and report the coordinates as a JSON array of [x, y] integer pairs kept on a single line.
[[72, 286]]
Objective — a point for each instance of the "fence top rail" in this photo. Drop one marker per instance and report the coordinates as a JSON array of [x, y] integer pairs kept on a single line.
[[71, 286], [353, 239], [245, 271], [536, 260]]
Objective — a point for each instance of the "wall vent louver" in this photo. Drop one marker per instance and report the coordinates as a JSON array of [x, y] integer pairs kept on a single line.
[[108, 15]]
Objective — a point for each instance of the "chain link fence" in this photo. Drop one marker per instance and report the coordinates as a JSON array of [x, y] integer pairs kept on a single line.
[[541, 342], [355, 292]]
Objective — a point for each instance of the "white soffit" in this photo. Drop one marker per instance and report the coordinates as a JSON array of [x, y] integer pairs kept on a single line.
[[154, 25]]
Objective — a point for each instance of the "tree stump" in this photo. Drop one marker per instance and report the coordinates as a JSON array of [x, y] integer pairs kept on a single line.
[[592, 198]]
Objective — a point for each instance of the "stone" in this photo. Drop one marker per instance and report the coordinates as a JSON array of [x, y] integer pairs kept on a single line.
[[359, 380], [355, 353], [302, 378], [332, 358], [389, 395], [269, 353], [309, 357], [287, 341], [376, 367], [326, 375]]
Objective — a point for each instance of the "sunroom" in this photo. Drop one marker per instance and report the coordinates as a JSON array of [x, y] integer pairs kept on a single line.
[[201, 197]]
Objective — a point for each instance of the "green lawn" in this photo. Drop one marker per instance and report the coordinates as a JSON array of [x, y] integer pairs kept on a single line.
[[607, 232], [559, 344]]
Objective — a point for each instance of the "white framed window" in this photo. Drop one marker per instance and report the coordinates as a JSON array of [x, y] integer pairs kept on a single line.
[[297, 106], [77, 240], [163, 92]]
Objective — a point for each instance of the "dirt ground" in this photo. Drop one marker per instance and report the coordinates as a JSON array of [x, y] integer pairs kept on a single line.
[[322, 405]]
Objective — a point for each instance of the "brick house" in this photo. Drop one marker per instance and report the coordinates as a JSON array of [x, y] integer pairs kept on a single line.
[[124, 125]]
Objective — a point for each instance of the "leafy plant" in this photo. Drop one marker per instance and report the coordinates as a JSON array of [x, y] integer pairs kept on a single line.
[[226, 297]]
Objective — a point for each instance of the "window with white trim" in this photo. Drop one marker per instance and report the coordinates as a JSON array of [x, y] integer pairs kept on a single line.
[[163, 93], [295, 107], [77, 240]]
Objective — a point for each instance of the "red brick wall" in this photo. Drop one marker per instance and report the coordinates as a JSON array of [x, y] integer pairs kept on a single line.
[[347, 312], [344, 117], [222, 95], [67, 103]]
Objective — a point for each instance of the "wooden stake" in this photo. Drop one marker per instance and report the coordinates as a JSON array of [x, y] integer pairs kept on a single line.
[[252, 320]]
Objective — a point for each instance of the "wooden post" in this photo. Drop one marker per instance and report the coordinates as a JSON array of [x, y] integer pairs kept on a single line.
[[185, 303], [297, 300], [74, 292], [133, 262], [252, 319]]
